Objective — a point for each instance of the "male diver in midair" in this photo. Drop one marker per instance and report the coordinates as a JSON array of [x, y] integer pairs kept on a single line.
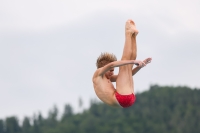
[[123, 95]]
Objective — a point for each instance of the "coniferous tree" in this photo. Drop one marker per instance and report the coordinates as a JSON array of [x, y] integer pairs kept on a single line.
[[12, 125], [40, 120], [1, 126], [68, 112], [26, 126], [52, 117], [80, 103], [36, 127]]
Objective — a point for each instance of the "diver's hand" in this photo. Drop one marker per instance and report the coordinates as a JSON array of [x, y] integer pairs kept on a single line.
[[147, 60], [139, 63]]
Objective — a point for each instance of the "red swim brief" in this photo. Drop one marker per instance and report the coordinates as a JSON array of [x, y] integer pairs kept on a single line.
[[125, 100]]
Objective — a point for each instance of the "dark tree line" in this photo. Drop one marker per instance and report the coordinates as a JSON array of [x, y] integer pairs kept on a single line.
[[161, 109]]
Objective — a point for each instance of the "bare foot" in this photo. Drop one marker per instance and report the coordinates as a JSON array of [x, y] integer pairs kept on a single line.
[[147, 60], [135, 30], [130, 27]]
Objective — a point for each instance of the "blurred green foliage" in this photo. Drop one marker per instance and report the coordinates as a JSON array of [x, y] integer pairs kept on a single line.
[[161, 109]]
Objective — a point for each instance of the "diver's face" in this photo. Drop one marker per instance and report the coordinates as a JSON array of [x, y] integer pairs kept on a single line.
[[109, 73]]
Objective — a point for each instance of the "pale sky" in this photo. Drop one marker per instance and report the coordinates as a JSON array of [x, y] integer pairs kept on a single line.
[[48, 48]]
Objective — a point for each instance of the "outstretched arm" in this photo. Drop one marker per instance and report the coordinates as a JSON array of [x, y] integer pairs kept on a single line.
[[134, 71], [111, 65]]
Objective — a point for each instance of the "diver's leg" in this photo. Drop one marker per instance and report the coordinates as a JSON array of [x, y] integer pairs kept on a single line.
[[133, 41], [127, 51], [134, 48], [124, 82]]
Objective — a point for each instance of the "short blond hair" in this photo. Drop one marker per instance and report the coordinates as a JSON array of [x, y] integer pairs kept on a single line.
[[104, 59]]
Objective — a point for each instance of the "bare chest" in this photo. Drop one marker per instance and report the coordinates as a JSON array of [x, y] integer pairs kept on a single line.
[[103, 86]]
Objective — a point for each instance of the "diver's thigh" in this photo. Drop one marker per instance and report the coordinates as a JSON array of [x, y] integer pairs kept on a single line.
[[124, 83]]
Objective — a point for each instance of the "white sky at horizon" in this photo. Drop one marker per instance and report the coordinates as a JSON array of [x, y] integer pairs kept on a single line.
[[48, 48]]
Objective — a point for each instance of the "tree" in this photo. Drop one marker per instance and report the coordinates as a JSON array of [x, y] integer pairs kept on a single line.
[[1, 126], [68, 112], [26, 126], [40, 119], [53, 114], [12, 125], [52, 117], [36, 127], [80, 102]]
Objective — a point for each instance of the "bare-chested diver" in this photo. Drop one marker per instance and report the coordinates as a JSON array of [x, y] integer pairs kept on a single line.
[[123, 95]]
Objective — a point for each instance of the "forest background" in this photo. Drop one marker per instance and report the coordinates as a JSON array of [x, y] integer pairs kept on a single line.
[[163, 109]]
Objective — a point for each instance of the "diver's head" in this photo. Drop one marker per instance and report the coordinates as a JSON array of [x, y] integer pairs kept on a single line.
[[104, 59]]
